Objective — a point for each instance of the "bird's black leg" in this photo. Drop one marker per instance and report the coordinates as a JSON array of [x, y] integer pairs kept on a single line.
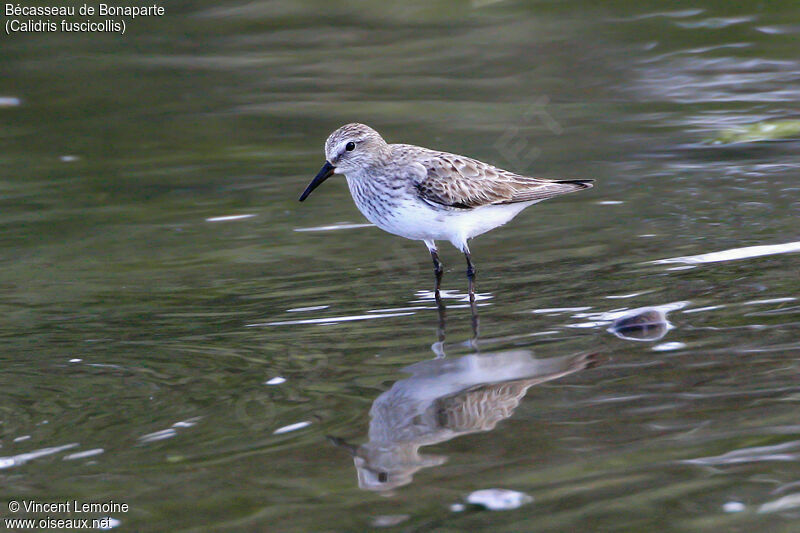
[[470, 276], [438, 269], [473, 307]]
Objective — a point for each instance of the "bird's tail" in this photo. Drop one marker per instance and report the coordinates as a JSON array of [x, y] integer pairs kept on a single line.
[[542, 189], [581, 184]]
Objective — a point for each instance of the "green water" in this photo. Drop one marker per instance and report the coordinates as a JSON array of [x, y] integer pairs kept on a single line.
[[140, 329]]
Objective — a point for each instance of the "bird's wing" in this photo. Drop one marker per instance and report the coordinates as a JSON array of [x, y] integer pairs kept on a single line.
[[460, 182]]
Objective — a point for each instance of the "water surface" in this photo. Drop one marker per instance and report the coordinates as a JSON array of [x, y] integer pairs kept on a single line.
[[183, 336]]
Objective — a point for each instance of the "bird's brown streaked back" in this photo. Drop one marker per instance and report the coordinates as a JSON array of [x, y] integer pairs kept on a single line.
[[457, 181]]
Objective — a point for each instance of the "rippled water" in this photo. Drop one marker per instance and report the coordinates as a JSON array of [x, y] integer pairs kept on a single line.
[[183, 336]]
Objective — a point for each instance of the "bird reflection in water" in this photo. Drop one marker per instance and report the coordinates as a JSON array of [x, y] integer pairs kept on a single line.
[[442, 399], [441, 308]]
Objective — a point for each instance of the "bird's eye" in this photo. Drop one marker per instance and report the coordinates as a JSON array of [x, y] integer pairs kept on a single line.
[[383, 477], [350, 146]]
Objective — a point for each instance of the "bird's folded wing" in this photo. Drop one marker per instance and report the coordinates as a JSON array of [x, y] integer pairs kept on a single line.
[[465, 183]]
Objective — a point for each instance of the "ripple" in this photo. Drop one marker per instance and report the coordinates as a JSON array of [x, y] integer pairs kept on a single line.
[[291, 427], [389, 520], [334, 227], [427, 295], [84, 454], [668, 346], [771, 301], [22, 458], [704, 309], [682, 13], [714, 22], [624, 296], [557, 310], [734, 254], [399, 309], [328, 320], [229, 218], [187, 423], [779, 30], [304, 309], [694, 79], [604, 318], [158, 435], [10, 101], [751, 455], [790, 501]]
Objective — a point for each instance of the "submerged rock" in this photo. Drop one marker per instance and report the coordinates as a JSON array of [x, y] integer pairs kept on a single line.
[[644, 324]]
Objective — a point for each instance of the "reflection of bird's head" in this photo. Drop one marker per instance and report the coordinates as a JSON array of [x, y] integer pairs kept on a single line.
[[383, 469]]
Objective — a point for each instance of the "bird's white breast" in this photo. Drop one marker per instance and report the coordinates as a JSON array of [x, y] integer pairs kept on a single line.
[[401, 212]]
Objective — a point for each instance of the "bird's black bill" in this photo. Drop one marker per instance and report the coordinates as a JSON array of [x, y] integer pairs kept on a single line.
[[324, 173]]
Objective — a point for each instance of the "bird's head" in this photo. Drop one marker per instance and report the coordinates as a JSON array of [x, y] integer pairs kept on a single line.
[[349, 149]]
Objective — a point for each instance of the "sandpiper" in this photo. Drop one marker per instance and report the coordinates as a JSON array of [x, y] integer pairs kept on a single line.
[[426, 195]]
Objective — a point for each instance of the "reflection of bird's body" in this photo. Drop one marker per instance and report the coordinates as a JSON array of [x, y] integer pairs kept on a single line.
[[427, 195], [445, 398]]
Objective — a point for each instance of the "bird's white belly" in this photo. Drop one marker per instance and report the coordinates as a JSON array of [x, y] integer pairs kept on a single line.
[[408, 219], [412, 218]]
